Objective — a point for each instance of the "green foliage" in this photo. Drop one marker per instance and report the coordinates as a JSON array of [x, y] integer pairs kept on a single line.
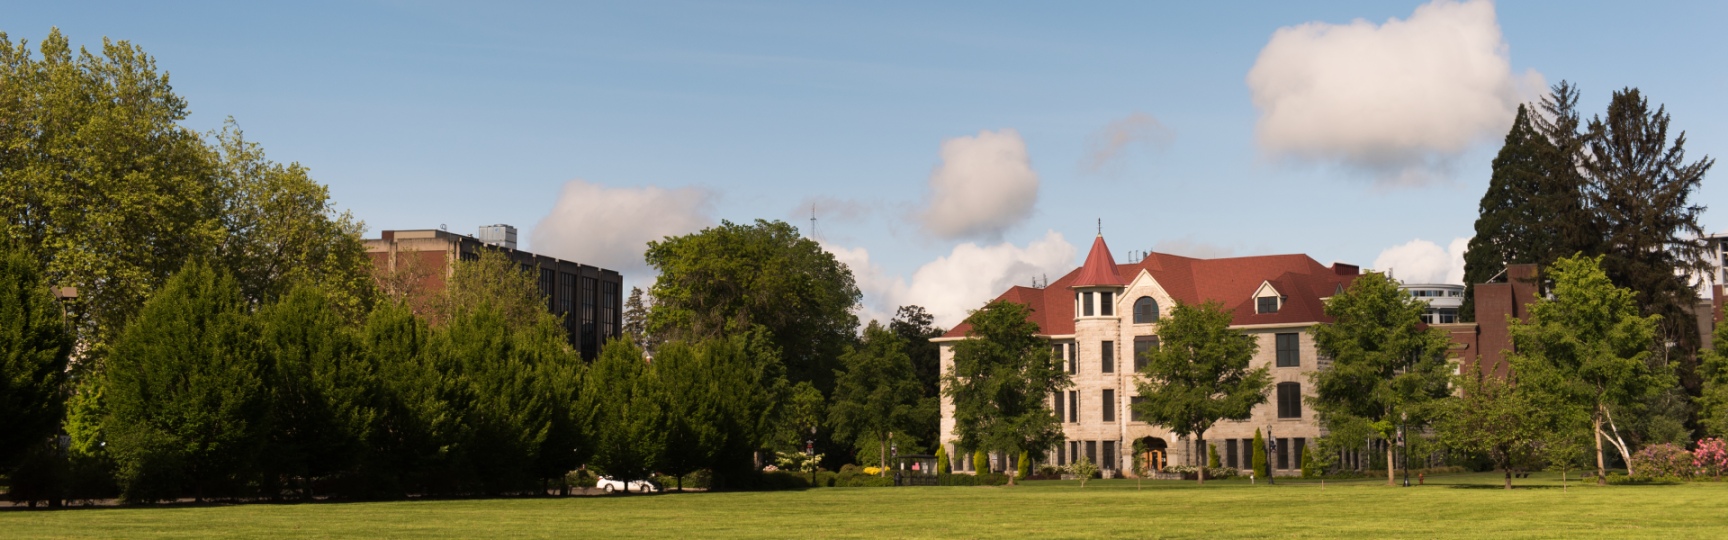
[[1212, 460], [1490, 419], [1084, 469], [1261, 466], [1387, 367], [730, 278], [1000, 383], [980, 479], [323, 393], [1023, 467], [1585, 349], [1310, 469], [1534, 210], [917, 327], [719, 401], [942, 460], [1713, 399], [1199, 374], [980, 461], [626, 415], [34, 347], [876, 395], [185, 391], [805, 408]]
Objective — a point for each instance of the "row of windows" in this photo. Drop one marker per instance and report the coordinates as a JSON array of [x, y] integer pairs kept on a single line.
[[1145, 308], [1288, 346], [1239, 453], [1289, 403], [1073, 450], [1431, 293]]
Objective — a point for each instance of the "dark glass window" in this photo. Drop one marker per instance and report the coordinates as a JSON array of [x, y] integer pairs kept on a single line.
[[1061, 454], [1142, 346], [1109, 405], [1230, 453], [1289, 400], [1060, 414], [1108, 356], [1073, 367], [1109, 463], [590, 295], [1283, 453], [1107, 304], [1086, 304], [1289, 350], [608, 310], [1296, 450], [1074, 450], [1074, 406], [1267, 304], [1145, 310], [1134, 408], [1092, 451], [567, 304]]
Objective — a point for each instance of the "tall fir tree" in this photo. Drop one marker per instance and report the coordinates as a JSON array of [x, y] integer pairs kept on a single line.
[[34, 348]]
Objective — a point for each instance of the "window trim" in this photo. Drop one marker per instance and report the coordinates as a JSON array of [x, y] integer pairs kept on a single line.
[[1145, 310]]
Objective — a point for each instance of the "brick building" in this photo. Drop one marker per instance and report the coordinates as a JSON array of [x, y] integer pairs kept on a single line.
[[1100, 316], [588, 298]]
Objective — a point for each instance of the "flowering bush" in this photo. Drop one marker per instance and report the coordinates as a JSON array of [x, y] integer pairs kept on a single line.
[[1211, 472], [872, 471], [1665, 460], [1711, 458]]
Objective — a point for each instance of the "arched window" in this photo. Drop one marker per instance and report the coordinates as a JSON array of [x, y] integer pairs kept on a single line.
[[1145, 310]]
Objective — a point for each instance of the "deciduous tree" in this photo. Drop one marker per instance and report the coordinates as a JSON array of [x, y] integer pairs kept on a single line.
[[876, 393], [1200, 374], [1387, 367], [1001, 382]]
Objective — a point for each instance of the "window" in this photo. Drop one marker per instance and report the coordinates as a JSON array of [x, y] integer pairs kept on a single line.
[[567, 304], [1145, 310], [1143, 345], [1109, 405], [1107, 304], [1283, 453], [1086, 304], [1074, 450], [1134, 408], [549, 288], [1267, 304], [1289, 350], [1109, 463], [1073, 367], [1073, 406], [1092, 451], [1296, 450], [1060, 415], [1289, 400], [1108, 356], [1230, 453], [608, 310], [590, 295], [1061, 454]]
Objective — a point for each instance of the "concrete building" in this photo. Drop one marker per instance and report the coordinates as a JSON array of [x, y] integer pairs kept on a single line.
[[1443, 301], [1101, 315], [588, 298]]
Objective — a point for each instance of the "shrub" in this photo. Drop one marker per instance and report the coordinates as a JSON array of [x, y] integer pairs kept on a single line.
[[981, 461], [1260, 454], [1211, 472], [942, 460], [1711, 458], [581, 478], [1308, 468], [873, 470], [1660, 461], [1083, 468], [1212, 461], [1025, 466]]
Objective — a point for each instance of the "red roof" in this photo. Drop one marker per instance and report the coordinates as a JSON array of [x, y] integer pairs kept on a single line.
[[1100, 268], [1232, 282]]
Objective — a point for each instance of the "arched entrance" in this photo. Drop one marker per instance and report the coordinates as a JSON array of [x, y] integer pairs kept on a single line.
[[1154, 453]]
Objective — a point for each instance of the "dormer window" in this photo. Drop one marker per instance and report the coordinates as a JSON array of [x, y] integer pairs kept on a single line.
[[1266, 304], [1267, 299]]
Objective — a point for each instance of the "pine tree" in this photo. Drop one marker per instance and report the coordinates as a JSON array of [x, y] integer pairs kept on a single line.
[[1260, 465], [322, 390], [626, 416], [636, 320], [34, 347]]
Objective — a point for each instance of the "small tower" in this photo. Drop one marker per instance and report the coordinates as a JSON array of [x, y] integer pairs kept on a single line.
[[1098, 287], [1098, 337]]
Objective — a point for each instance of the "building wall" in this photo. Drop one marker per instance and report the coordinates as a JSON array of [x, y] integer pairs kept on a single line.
[[589, 299], [1091, 380]]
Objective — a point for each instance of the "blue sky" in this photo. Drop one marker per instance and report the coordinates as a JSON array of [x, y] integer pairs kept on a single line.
[[640, 119]]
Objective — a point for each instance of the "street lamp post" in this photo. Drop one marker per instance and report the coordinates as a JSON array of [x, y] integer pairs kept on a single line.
[[1402, 418], [810, 452], [1271, 455]]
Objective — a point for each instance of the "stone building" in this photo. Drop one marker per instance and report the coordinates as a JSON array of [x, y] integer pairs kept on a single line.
[[1101, 315]]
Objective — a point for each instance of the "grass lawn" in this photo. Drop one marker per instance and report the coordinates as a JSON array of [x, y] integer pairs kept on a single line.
[[1470, 505]]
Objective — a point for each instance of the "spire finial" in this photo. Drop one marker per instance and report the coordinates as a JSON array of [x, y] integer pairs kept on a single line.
[[1100, 226]]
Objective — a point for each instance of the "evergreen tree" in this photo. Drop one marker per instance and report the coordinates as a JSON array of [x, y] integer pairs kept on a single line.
[[1641, 187], [322, 401], [34, 347], [1001, 383], [1534, 210], [625, 414], [1387, 367], [1199, 374], [748, 375], [876, 393], [403, 441], [185, 391], [636, 320], [1261, 466], [917, 327], [689, 401]]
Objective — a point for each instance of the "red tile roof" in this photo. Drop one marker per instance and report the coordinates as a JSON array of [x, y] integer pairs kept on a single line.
[[1232, 282], [1100, 268]]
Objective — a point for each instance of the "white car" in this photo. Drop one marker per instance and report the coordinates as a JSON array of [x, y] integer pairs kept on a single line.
[[639, 486]]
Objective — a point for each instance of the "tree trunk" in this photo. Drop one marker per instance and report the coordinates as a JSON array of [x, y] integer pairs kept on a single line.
[[882, 455], [1601, 469], [1508, 478], [1204, 457], [1390, 476]]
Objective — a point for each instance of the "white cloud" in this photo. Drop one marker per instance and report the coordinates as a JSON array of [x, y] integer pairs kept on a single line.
[[1105, 148], [963, 280], [611, 227], [1395, 100], [984, 186], [1421, 261]]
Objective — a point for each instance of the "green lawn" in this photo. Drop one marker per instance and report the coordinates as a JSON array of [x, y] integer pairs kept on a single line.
[[1451, 506]]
